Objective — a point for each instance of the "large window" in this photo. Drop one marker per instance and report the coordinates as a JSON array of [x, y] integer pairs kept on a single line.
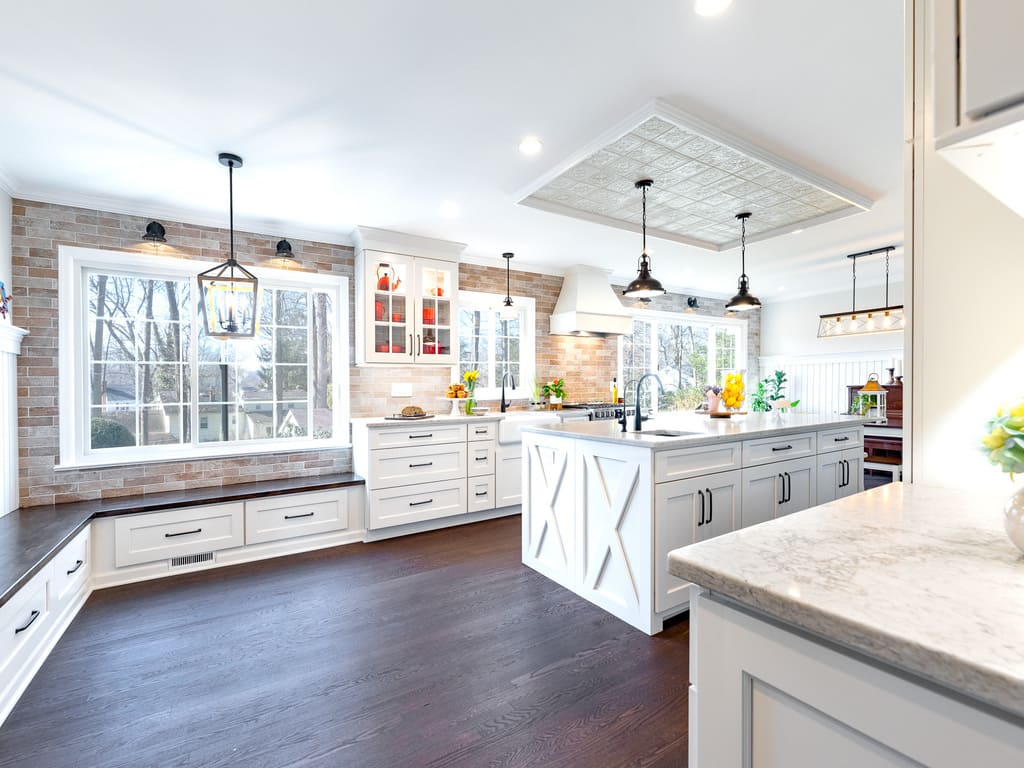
[[494, 340], [687, 353], [141, 381]]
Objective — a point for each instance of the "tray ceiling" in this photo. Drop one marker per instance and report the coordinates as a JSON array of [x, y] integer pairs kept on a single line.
[[702, 178]]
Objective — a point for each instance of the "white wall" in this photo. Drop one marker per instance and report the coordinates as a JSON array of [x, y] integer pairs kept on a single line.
[[5, 245], [790, 328]]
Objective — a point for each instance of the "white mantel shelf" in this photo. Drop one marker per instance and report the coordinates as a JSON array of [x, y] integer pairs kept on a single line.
[[920, 578], [10, 339]]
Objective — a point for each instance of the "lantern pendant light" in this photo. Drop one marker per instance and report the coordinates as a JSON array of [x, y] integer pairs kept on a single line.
[[644, 286], [743, 300], [229, 292], [508, 311], [887, 319]]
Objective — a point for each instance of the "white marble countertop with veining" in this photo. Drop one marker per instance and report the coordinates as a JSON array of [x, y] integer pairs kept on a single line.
[[380, 421], [698, 429], [919, 577]]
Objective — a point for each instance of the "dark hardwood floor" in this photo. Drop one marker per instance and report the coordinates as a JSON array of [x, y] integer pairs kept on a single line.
[[434, 650]]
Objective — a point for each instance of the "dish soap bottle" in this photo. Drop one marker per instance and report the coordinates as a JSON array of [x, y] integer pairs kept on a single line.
[[615, 390]]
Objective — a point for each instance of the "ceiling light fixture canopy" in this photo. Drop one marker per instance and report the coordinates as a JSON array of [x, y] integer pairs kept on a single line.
[[887, 319], [229, 292], [743, 300], [644, 286], [155, 233]]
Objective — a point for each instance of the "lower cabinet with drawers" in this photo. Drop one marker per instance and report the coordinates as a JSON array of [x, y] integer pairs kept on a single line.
[[430, 473]]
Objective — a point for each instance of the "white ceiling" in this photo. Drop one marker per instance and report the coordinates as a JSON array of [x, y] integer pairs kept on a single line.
[[377, 113]]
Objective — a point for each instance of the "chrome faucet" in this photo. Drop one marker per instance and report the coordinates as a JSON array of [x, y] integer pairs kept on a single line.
[[637, 418], [507, 375]]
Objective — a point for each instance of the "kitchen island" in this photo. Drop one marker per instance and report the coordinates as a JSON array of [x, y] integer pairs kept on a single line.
[[878, 630], [603, 508]]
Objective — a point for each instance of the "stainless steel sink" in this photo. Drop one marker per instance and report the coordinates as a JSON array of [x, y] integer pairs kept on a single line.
[[669, 433]]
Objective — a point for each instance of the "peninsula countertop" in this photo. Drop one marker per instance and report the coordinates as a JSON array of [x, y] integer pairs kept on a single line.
[[698, 429], [919, 577]]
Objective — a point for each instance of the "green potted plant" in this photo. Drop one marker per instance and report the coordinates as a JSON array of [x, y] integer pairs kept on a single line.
[[555, 392]]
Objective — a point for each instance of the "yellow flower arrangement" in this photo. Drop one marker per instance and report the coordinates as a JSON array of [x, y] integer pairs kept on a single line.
[[732, 392], [1004, 443]]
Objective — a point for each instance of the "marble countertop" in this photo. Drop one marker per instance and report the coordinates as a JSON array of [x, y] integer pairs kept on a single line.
[[380, 421], [700, 429], [919, 577]]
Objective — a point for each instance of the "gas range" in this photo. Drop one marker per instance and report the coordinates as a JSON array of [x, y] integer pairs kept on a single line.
[[601, 411]]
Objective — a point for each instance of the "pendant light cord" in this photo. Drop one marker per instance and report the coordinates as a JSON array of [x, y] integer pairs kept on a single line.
[[854, 307], [231, 208], [887, 277], [743, 248], [643, 223]]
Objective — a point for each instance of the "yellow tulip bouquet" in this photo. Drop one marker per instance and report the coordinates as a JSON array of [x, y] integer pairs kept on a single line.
[[732, 392], [1004, 443]]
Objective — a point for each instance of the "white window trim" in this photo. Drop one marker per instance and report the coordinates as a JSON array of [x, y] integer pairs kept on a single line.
[[708, 321], [527, 343], [73, 394]]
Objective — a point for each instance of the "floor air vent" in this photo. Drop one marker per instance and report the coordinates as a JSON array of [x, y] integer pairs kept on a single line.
[[179, 562]]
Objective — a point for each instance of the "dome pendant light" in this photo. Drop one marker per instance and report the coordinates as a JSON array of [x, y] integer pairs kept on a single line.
[[743, 301], [644, 286], [508, 312], [228, 292]]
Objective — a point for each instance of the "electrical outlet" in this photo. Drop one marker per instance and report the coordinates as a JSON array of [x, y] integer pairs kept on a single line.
[[398, 389]]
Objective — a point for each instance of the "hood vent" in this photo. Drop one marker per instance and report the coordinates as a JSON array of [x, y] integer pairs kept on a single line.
[[587, 306]]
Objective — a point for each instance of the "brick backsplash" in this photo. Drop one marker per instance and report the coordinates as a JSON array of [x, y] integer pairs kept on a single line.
[[587, 364]]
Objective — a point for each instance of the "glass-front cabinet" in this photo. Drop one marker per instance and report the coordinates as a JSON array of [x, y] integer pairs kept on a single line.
[[408, 309]]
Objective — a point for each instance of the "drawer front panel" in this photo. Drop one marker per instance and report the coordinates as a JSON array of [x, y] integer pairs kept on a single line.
[[480, 460], [398, 506], [840, 439], [302, 514], [480, 495], [770, 449], [691, 462], [24, 616], [71, 567], [145, 538], [486, 431], [425, 433], [391, 467]]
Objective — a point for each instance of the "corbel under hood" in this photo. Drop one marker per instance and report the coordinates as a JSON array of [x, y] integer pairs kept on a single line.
[[588, 306]]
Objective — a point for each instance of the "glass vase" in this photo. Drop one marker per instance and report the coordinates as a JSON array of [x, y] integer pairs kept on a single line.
[[1013, 519], [470, 404]]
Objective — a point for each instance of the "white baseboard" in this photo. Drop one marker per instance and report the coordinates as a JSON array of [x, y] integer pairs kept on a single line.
[[445, 522]]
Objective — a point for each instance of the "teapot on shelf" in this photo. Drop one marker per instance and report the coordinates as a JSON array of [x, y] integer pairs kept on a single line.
[[386, 280]]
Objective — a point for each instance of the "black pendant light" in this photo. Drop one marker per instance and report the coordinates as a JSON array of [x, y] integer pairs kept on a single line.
[[155, 233], [284, 250], [229, 291], [743, 300], [644, 286], [508, 311]]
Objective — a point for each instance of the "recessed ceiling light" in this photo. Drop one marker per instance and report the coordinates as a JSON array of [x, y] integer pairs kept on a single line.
[[711, 7], [530, 145], [450, 209]]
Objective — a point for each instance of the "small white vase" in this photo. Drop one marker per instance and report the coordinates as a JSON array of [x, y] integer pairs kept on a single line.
[[1013, 519]]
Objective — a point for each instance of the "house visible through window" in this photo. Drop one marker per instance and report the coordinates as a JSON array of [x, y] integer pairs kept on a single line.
[[157, 383], [494, 340]]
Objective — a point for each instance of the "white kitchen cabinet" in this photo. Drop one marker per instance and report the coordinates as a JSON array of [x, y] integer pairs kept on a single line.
[[178, 532], [288, 516], [773, 490], [508, 475], [720, 504], [406, 299], [416, 503], [840, 474], [991, 56]]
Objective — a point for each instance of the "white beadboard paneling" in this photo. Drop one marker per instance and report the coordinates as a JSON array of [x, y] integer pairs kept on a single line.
[[819, 383]]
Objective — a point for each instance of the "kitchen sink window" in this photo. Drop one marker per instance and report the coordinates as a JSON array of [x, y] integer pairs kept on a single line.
[[687, 353], [140, 381], [494, 339]]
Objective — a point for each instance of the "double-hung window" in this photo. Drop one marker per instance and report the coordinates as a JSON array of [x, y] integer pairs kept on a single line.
[[495, 340], [140, 381], [687, 352]]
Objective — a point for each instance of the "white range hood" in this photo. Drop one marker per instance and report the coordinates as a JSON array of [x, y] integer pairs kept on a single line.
[[588, 306]]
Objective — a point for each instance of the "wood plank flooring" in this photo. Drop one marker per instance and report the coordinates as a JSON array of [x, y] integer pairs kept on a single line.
[[436, 650]]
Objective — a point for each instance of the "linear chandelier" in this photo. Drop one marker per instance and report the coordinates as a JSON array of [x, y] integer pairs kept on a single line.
[[887, 319]]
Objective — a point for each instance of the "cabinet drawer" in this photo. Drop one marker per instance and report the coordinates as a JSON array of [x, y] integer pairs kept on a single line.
[[391, 467], [480, 494], [769, 449], [690, 462], [301, 514], [159, 535], [840, 439], [480, 460], [71, 567], [398, 506], [427, 433], [485, 431], [23, 617]]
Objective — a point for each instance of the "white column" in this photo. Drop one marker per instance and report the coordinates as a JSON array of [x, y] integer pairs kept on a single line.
[[10, 348]]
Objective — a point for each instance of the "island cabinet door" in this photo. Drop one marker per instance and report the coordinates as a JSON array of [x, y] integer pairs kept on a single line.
[[799, 480], [718, 504], [831, 474], [549, 507], [675, 507], [762, 493], [854, 458]]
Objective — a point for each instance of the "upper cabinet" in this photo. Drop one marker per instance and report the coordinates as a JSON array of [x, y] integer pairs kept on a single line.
[[406, 299], [979, 93]]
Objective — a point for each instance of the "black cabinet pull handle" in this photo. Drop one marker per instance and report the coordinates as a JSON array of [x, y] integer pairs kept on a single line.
[[846, 480], [842, 473], [482, 493], [411, 348], [78, 564], [481, 431], [789, 487], [783, 481], [424, 464], [711, 504], [783, 448], [701, 521], [417, 437], [420, 503], [35, 615], [182, 533], [481, 458], [296, 517], [842, 439]]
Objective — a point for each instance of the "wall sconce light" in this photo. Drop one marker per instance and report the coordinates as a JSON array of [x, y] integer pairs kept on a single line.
[[284, 250], [155, 233], [692, 305]]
